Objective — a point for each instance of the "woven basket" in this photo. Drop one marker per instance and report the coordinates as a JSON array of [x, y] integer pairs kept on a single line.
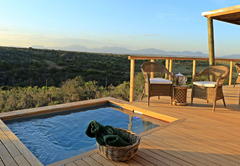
[[121, 153]]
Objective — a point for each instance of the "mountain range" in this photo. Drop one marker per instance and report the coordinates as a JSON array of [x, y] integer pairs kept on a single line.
[[123, 50]]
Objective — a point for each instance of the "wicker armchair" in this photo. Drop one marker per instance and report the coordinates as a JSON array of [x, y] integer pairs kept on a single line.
[[238, 72], [210, 90], [157, 86]]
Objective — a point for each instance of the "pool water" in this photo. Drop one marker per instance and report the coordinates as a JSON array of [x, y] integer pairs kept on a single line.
[[55, 137]]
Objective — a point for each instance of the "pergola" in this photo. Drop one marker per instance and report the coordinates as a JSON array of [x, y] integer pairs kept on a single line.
[[230, 15]]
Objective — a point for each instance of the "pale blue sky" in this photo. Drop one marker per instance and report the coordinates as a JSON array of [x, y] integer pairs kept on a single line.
[[173, 25]]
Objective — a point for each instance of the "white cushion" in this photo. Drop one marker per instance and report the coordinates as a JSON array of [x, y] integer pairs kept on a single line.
[[159, 81], [205, 83], [238, 73]]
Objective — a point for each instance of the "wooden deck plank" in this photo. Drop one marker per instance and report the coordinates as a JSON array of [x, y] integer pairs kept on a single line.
[[158, 158], [209, 140], [6, 157], [80, 162], [151, 158], [182, 147], [133, 163], [219, 159], [21, 161], [164, 157], [20, 146], [191, 148], [175, 154], [188, 139], [13, 150], [71, 164], [211, 144], [175, 151], [221, 151], [9, 145], [1, 163], [91, 161], [141, 160], [102, 160]]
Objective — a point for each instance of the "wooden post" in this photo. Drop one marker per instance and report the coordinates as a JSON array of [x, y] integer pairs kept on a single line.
[[170, 65], [211, 42], [231, 73], [170, 68], [194, 68], [152, 73], [167, 66], [132, 69]]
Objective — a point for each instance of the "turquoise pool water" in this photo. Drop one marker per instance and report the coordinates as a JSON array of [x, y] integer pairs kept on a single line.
[[57, 136]]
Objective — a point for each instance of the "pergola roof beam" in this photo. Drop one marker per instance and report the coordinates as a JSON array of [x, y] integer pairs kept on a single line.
[[229, 14]]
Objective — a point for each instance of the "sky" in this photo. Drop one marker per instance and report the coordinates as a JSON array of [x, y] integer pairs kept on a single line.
[[173, 25]]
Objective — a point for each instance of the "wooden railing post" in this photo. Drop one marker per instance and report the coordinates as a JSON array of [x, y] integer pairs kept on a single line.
[[132, 69], [152, 73], [170, 65], [170, 68], [167, 65], [231, 73], [194, 68]]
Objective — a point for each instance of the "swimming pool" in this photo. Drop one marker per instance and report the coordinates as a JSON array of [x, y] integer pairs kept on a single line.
[[57, 136]]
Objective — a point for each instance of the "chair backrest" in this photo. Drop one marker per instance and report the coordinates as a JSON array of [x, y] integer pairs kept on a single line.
[[214, 72], [237, 67], [153, 67]]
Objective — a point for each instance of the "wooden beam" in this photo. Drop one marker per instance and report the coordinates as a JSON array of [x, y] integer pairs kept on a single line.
[[231, 73], [176, 58], [152, 73], [194, 68], [170, 68], [222, 11], [132, 70], [170, 65], [167, 65], [211, 42]]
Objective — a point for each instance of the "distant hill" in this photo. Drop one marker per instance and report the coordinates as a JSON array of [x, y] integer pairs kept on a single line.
[[147, 51], [234, 56], [123, 50]]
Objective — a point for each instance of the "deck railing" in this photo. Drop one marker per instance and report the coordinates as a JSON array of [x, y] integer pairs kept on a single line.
[[168, 64]]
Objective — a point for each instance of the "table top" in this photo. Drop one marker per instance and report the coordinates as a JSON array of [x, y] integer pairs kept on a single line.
[[181, 86]]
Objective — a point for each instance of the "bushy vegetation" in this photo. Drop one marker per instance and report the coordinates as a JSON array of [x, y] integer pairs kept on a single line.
[[41, 67], [16, 98]]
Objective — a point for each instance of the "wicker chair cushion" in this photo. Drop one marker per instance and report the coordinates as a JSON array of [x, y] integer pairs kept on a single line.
[[205, 83], [159, 81], [238, 73]]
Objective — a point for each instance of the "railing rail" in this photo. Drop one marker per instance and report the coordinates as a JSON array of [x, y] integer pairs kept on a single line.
[[168, 65]]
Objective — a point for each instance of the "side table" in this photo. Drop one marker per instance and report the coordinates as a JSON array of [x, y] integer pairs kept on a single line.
[[180, 95]]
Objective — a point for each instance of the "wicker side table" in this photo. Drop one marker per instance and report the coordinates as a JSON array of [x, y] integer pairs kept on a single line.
[[180, 95]]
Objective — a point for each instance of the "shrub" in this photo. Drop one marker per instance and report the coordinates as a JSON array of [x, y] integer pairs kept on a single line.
[[60, 63]]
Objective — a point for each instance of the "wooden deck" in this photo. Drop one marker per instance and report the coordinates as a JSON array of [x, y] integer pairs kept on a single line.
[[199, 137], [12, 151]]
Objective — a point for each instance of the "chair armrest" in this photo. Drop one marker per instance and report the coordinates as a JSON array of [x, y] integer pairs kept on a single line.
[[170, 74], [146, 77], [220, 81], [173, 77], [196, 75]]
